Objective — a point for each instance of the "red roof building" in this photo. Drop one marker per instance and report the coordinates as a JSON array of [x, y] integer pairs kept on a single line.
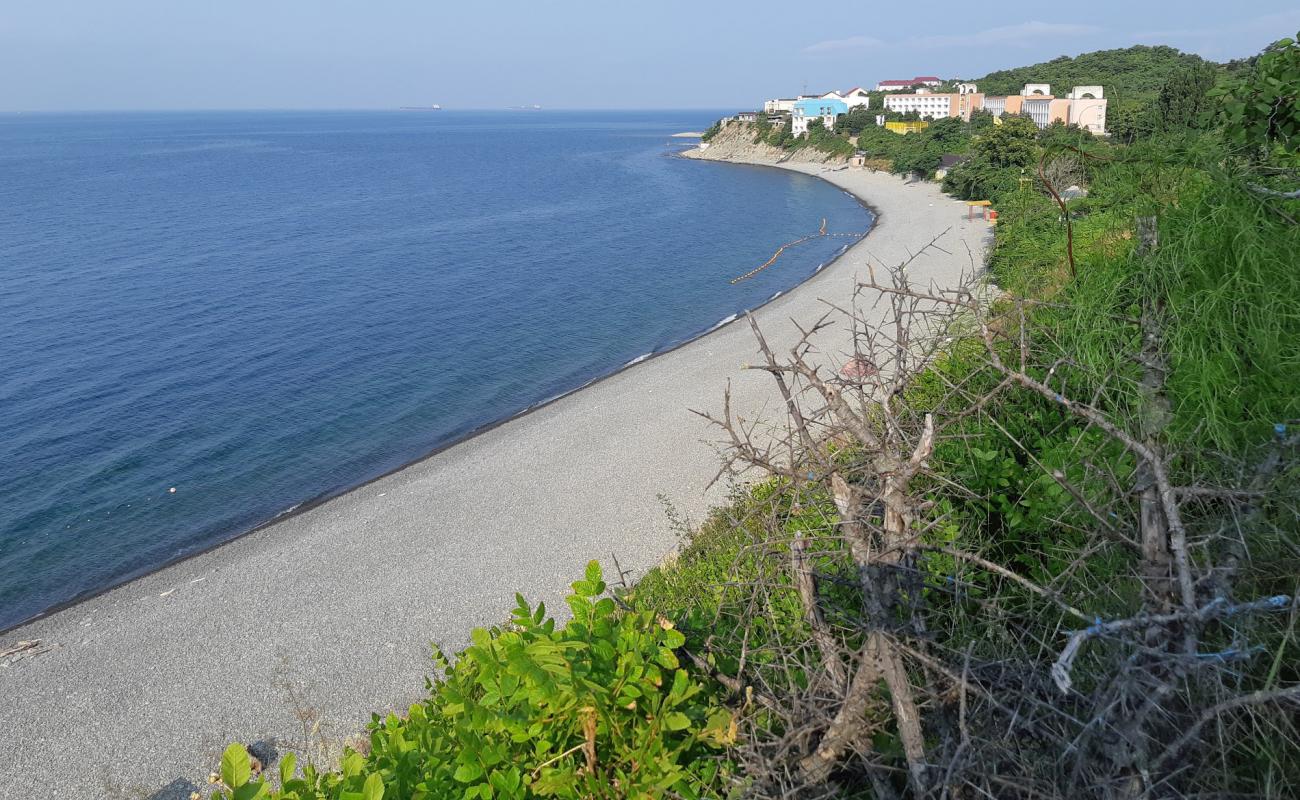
[[894, 86]]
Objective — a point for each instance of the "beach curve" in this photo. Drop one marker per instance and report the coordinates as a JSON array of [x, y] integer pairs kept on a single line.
[[333, 608]]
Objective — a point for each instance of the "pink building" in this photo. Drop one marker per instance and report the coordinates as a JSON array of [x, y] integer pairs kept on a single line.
[[1084, 106]]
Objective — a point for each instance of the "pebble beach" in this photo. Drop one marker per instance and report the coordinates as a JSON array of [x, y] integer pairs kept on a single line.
[[329, 613]]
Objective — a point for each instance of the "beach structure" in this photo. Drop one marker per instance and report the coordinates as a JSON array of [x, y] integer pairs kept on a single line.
[[910, 126], [824, 109], [898, 86], [947, 162]]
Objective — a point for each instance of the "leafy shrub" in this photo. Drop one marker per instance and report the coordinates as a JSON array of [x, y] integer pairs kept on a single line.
[[598, 708], [1262, 108]]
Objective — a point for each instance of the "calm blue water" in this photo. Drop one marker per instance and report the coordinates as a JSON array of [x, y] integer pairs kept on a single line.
[[262, 308]]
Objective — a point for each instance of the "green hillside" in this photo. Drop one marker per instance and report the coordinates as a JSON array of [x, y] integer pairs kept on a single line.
[[1126, 74]]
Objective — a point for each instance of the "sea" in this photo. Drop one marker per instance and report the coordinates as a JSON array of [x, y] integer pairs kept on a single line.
[[210, 319]]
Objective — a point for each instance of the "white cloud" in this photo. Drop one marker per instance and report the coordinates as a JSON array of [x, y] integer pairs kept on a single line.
[[1023, 33], [851, 43]]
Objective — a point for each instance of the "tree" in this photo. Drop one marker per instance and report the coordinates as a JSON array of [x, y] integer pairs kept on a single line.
[[856, 121], [1261, 108], [1131, 122], [1131, 73], [1184, 100], [980, 121], [1059, 133], [1010, 144]]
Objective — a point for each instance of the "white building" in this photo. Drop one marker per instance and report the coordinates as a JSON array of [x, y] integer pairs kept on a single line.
[[809, 109], [1039, 110], [929, 106], [782, 105], [967, 88], [857, 97], [1032, 89]]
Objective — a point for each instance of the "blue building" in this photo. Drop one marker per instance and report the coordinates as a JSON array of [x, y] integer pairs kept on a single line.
[[807, 110]]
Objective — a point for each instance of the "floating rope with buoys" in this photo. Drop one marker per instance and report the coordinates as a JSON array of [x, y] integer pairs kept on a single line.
[[818, 235]]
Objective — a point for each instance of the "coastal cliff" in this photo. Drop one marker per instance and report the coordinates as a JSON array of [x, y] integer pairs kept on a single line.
[[737, 141]]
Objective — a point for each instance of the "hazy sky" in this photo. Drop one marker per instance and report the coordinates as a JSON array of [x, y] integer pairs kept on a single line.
[[155, 54]]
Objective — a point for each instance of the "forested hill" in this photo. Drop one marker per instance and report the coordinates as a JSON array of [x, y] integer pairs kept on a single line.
[[1128, 74]]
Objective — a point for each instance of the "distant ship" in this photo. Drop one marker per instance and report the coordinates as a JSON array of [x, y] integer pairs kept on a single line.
[[434, 107]]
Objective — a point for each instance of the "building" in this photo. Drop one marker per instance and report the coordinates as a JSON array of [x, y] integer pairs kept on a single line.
[[967, 88], [1088, 109], [825, 109], [857, 97], [1084, 106], [783, 105], [747, 116], [931, 105], [946, 163], [898, 86]]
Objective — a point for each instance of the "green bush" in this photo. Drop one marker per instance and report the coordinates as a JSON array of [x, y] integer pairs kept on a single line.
[[600, 708], [1261, 109]]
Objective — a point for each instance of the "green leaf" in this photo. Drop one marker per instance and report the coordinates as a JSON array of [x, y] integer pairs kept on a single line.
[[593, 572], [468, 773], [352, 764], [252, 791], [677, 721], [287, 765], [235, 767], [373, 788]]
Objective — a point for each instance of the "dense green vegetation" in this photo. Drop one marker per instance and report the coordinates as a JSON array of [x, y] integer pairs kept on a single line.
[[1128, 73], [705, 679], [598, 708]]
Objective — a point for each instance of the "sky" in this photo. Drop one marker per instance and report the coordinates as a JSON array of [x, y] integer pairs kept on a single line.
[[60, 55]]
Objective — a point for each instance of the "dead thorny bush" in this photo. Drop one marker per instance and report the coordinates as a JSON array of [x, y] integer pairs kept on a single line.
[[1073, 616]]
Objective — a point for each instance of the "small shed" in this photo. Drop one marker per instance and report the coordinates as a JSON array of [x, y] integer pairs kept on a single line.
[[947, 162]]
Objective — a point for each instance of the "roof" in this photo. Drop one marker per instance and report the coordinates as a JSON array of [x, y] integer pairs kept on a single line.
[[812, 107], [856, 89], [910, 81]]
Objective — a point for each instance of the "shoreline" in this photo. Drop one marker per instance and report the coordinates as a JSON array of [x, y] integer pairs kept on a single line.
[[156, 675], [318, 500]]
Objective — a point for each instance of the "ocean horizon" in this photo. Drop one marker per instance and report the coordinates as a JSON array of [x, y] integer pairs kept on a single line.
[[216, 317]]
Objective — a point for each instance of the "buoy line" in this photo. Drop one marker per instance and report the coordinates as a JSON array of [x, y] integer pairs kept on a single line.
[[818, 235]]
